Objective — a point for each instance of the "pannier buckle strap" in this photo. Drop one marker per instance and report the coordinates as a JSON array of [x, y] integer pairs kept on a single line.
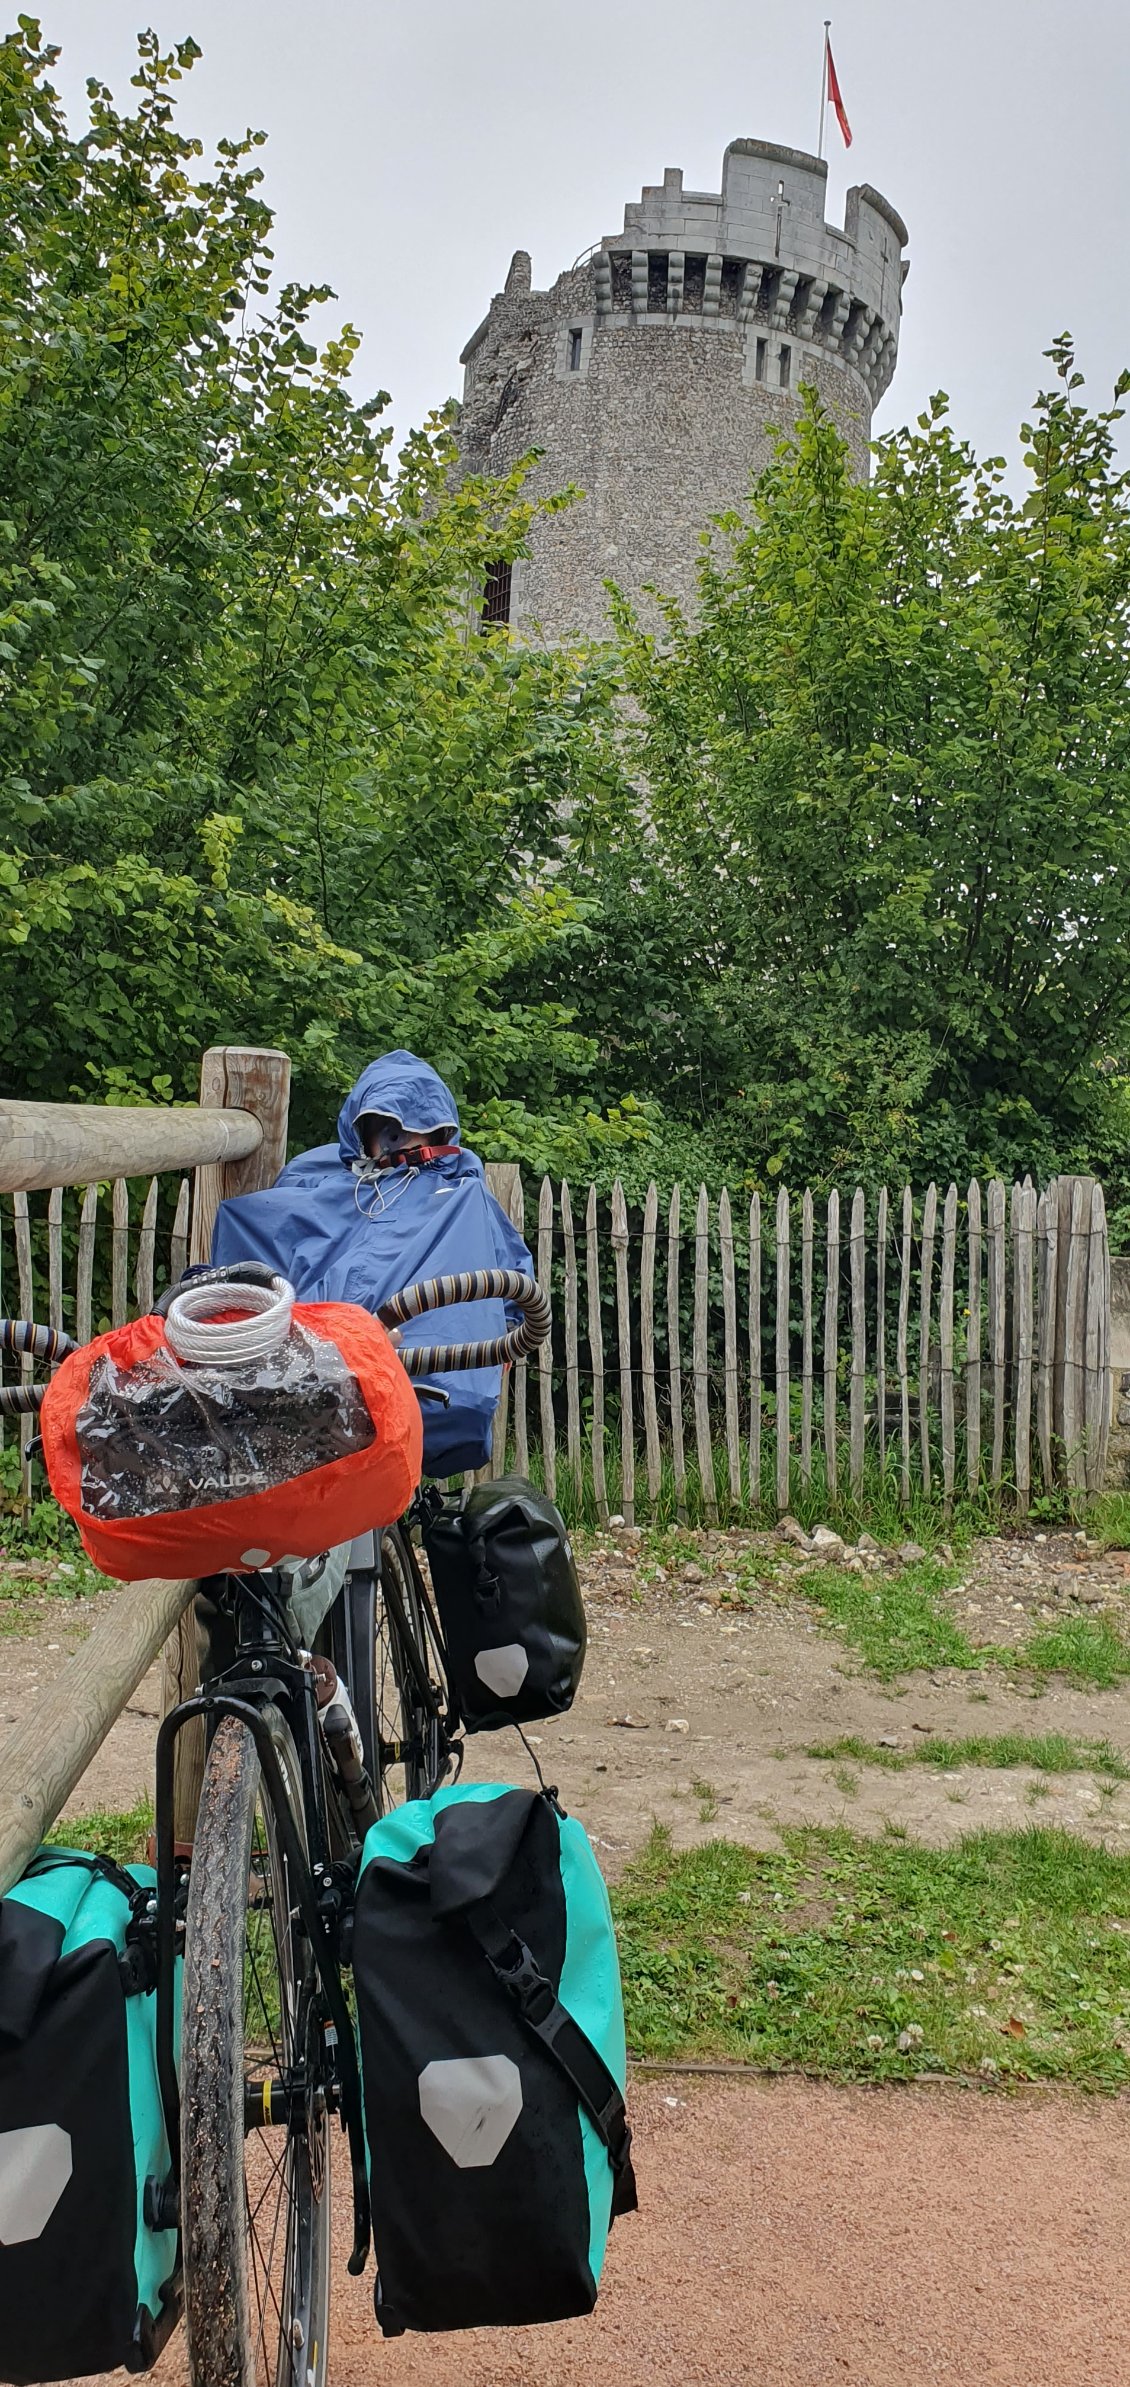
[[519, 1973], [570, 2048]]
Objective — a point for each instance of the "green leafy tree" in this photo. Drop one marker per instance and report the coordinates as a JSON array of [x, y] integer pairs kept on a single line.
[[256, 781], [872, 914]]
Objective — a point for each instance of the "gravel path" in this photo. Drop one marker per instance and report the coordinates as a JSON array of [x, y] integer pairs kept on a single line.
[[795, 2235]]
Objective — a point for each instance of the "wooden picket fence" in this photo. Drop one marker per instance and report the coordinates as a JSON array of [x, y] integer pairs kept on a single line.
[[951, 1343], [702, 1367], [121, 1237]]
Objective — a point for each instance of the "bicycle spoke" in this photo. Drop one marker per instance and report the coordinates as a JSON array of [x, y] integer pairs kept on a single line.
[[261, 2333], [276, 2163]]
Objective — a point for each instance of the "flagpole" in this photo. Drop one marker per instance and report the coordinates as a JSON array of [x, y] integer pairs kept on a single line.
[[824, 86]]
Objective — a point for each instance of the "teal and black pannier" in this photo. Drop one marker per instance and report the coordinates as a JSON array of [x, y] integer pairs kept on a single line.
[[87, 2282], [491, 2029]]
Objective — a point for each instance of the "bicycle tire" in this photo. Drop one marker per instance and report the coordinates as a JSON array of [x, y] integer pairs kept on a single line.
[[256, 2315], [381, 1662], [412, 1650]]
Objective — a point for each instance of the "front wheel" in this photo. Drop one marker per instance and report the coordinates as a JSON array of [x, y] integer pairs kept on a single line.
[[255, 2187]]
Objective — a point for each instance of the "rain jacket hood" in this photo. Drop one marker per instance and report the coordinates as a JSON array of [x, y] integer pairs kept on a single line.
[[399, 1087]]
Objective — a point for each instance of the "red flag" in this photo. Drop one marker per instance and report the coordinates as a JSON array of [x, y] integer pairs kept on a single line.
[[836, 95]]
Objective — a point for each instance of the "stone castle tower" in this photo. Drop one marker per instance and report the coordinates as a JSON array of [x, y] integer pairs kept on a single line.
[[655, 372]]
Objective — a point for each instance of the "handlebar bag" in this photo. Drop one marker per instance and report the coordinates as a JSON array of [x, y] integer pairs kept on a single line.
[[505, 1581], [86, 2281], [170, 1468], [491, 2031]]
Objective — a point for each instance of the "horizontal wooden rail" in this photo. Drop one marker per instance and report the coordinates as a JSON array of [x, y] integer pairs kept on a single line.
[[46, 1753], [45, 1144]]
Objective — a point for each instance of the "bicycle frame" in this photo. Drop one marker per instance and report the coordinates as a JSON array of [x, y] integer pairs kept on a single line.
[[264, 1675]]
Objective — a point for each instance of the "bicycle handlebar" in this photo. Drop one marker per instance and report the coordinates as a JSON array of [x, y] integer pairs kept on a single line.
[[26, 1341], [21, 1338], [475, 1284]]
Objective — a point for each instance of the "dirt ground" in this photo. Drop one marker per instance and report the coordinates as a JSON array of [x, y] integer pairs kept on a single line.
[[698, 1713], [791, 2233], [794, 2235]]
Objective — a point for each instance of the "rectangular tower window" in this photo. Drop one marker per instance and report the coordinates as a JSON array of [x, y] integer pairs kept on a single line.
[[621, 277], [786, 365], [657, 282], [762, 353], [730, 291], [575, 345], [496, 594], [694, 285]]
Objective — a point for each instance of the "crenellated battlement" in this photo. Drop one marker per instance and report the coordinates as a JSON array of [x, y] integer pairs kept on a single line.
[[760, 250]]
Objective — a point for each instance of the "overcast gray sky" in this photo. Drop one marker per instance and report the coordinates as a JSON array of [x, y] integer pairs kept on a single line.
[[414, 144]]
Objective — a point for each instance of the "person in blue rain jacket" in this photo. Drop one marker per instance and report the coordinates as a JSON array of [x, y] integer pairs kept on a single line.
[[396, 1199]]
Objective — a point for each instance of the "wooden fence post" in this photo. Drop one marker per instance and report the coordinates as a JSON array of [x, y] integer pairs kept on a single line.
[[1024, 1236], [831, 1343], [239, 1077], [521, 1367], [807, 1233], [624, 1341], [1073, 1197], [857, 1252], [730, 1329], [881, 1329], [1097, 1392], [674, 1357], [545, 1354], [902, 1354], [505, 1183], [973, 1343], [233, 1077], [946, 1342], [997, 1295], [596, 1355], [929, 1230], [647, 1345], [755, 1350], [784, 1445]]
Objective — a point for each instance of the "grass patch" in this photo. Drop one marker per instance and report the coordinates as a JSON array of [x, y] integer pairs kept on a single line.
[[896, 1622], [1108, 1520], [1046, 1752], [43, 1536], [1088, 1648], [899, 1623], [120, 1835], [877, 1507], [1005, 1957]]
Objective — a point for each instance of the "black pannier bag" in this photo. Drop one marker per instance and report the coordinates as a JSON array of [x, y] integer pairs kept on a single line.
[[491, 2030], [88, 2275], [509, 1603]]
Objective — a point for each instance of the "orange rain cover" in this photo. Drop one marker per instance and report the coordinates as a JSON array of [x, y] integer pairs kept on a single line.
[[310, 1513]]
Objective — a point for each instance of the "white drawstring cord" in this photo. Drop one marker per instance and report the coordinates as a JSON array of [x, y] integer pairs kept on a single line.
[[385, 1195], [237, 1342]]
